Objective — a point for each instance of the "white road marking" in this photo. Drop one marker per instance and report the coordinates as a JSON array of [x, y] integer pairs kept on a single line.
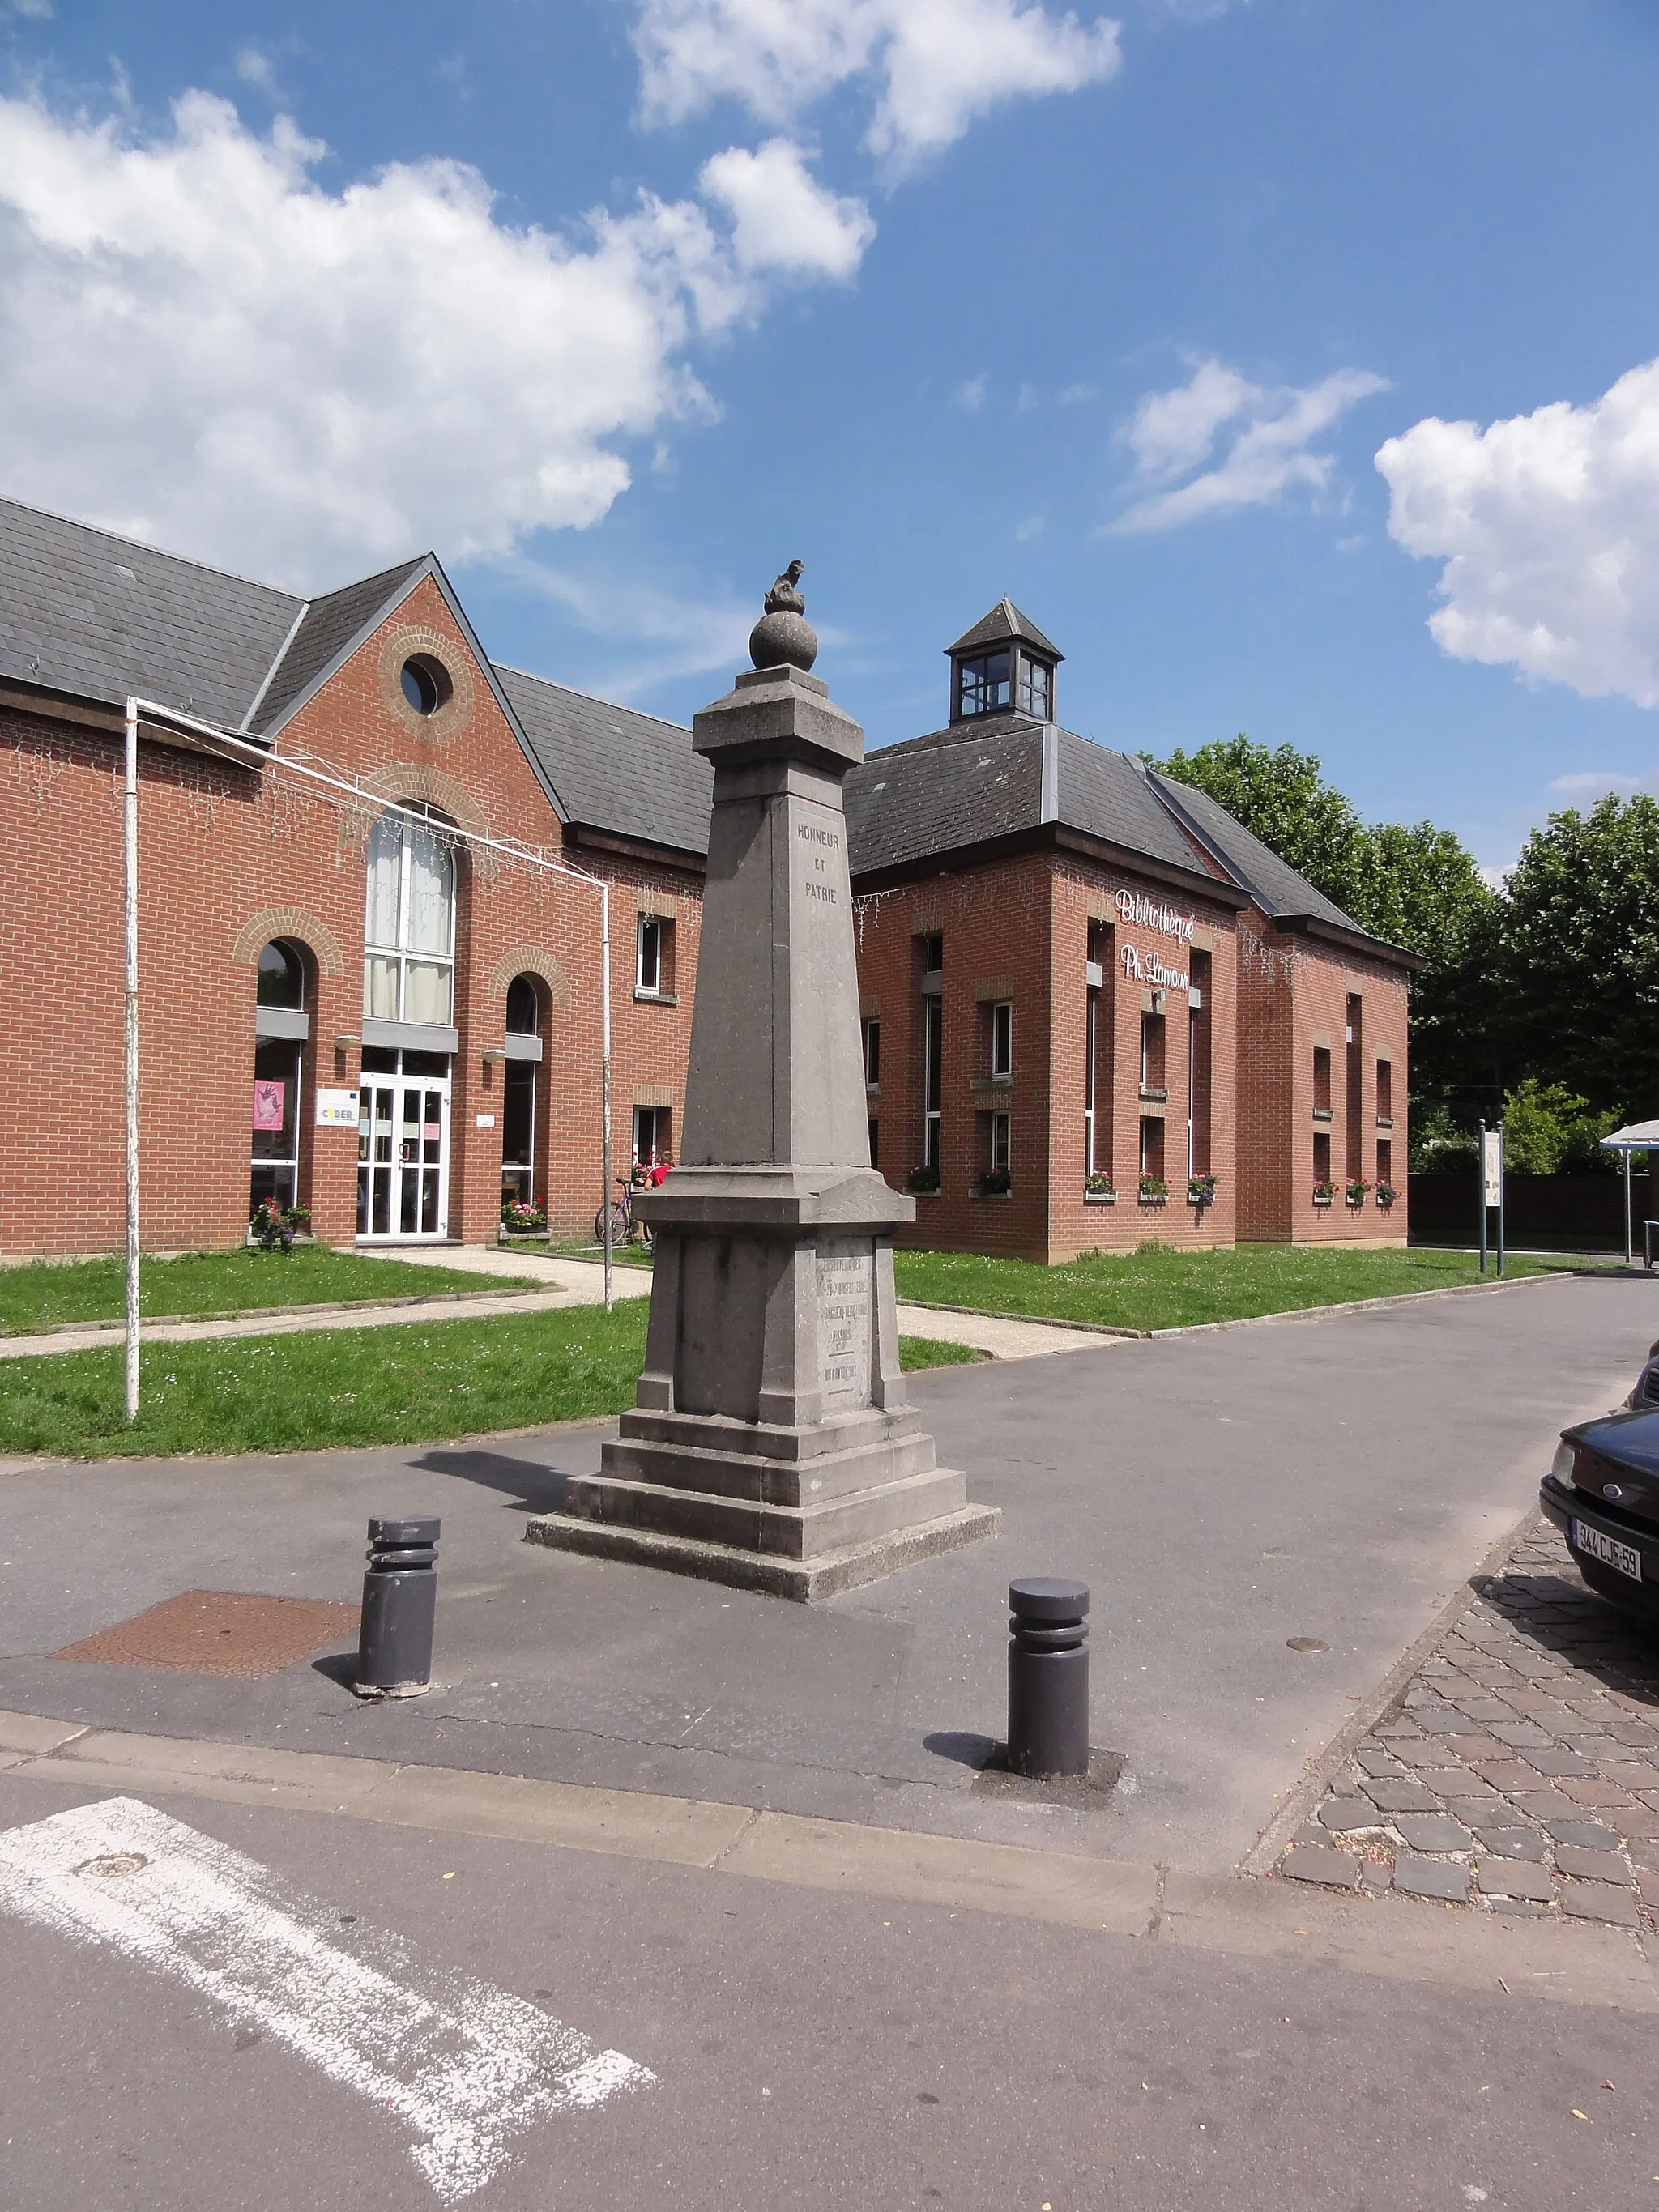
[[466, 2066]]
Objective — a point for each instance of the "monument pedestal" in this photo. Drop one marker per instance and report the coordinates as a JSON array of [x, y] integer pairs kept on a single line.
[[772, 1446]]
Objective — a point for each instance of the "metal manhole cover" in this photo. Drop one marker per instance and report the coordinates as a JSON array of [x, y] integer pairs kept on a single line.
[[219, 1632]]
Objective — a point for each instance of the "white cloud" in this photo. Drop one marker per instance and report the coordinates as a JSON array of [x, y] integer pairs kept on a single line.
[[1033, 526], [936, 64], [1597, 783], [1548, 524], [256, 68], [783, 219], [200, 346], [1171, 433], [971, 396]]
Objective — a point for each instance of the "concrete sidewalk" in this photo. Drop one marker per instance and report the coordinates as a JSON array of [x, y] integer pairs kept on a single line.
[[1222, 1494]]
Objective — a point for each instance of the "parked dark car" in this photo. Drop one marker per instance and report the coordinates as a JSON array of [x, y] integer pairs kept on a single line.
[[1602, 1493]]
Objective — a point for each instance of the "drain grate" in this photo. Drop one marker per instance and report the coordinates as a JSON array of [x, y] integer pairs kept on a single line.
[[219, 1632]]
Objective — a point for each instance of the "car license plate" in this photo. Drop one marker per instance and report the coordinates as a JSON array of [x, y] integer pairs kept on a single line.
[[1624, 1557]]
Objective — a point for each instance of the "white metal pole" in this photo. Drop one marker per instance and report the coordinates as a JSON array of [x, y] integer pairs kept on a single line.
[[1627, 1205], [605, 1061], [129, 828]]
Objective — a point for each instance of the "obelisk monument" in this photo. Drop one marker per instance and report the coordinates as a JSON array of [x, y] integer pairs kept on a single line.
[[772, 1446]]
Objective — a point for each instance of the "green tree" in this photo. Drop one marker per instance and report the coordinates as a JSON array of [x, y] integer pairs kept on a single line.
[[1577, 996], [1549, 1130], [1414, 886]]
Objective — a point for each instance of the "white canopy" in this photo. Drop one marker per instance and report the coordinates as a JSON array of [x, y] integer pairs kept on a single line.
[[1639, 1136]]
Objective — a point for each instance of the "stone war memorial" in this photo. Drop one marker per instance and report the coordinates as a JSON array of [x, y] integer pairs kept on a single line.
[[771, 1446]]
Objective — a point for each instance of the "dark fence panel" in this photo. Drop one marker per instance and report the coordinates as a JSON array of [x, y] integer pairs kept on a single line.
[[1569, 1210]]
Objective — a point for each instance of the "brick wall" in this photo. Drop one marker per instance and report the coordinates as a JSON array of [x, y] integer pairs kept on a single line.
[[230, 856]]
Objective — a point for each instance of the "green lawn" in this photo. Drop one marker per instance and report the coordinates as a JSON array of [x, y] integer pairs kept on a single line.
[[51, 1294], [1157, 1287], [404, 1384]]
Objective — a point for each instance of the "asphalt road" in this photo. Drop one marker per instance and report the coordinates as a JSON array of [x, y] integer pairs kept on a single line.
[[1333, 1477], [811, 2051]]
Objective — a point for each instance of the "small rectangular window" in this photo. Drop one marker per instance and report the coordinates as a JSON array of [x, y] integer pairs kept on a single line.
[[651, 1136], [1322, 1080], [986, 683], [647, 973], [873, 1053], [932, 1083], [1384, 1091], [1002, 1041], [1033, 694], [1000, 1146], [1321, 1156], [1151, 1057], [1152, 1146], [1384, 1163], [875, 1144], [932, 956]]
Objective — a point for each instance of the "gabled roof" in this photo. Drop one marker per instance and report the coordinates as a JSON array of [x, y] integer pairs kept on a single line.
[[1275, 886], [100, 617], [1004, 622], [612, 769], [327, 630]]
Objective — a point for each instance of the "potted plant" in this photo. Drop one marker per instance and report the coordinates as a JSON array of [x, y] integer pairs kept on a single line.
[[1356, 1191], [1098, 1190], [1153, 1190], [923, 1183], [1324, 1192], [273, 1230], [523, 1218], [1200, 1190], [1386, 1195], [995, 1182]]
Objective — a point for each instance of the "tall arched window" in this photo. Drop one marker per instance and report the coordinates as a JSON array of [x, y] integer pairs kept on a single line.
[[282, 1026], [521, 1170], [409, 959]]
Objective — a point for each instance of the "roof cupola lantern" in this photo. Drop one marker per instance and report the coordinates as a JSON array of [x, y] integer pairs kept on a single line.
[[1003, 665]]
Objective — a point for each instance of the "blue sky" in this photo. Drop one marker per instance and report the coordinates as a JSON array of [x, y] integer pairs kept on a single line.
[[1114, 313]]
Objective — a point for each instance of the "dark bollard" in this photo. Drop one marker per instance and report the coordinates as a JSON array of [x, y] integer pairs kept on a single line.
[[400, 1598], [1048, 1676]]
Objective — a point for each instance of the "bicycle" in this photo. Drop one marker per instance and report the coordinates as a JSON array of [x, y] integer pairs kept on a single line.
[[624, 1226]]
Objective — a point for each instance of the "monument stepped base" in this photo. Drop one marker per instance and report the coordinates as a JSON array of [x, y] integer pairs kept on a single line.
[[774, 1574]]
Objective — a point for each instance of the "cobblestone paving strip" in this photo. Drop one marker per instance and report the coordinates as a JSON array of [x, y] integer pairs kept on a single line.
[[1518, 1773]]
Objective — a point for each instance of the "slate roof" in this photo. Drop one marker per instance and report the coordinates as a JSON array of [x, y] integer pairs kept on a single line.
[[329, 626], [1004, 621], [84, 612], [614, 769], [984, 780], [100, 616], [1275, 886]]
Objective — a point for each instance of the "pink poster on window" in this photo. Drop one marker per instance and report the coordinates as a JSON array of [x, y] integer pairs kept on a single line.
[[268, 1101]]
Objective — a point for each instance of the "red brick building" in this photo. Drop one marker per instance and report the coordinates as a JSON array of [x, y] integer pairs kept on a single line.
[[369, 930], [1096, 1010], [413, 1012]]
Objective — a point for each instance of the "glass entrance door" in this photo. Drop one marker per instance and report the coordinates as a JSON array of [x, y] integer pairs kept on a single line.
[[403, 1155]]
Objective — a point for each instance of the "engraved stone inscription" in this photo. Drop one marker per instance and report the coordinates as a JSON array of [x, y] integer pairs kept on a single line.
[[846, 1293], [821, 888]]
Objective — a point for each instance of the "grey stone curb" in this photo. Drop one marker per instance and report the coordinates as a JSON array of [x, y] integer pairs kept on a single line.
[[1302, 1802]]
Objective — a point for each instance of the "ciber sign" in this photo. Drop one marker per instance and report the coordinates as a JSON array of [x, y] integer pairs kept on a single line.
[[1141, 967]]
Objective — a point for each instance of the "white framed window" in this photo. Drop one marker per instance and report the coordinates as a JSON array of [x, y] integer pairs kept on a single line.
[[1002, 1041], [651, 1136], [1001, 1161], [932, 1083], [872, 1055], [651, 956], [409, 931]]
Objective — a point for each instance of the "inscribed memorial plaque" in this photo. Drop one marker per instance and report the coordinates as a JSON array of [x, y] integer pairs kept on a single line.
[[846, 1287]]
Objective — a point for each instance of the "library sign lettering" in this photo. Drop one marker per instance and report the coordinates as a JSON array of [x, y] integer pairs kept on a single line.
[[1149, 967]]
